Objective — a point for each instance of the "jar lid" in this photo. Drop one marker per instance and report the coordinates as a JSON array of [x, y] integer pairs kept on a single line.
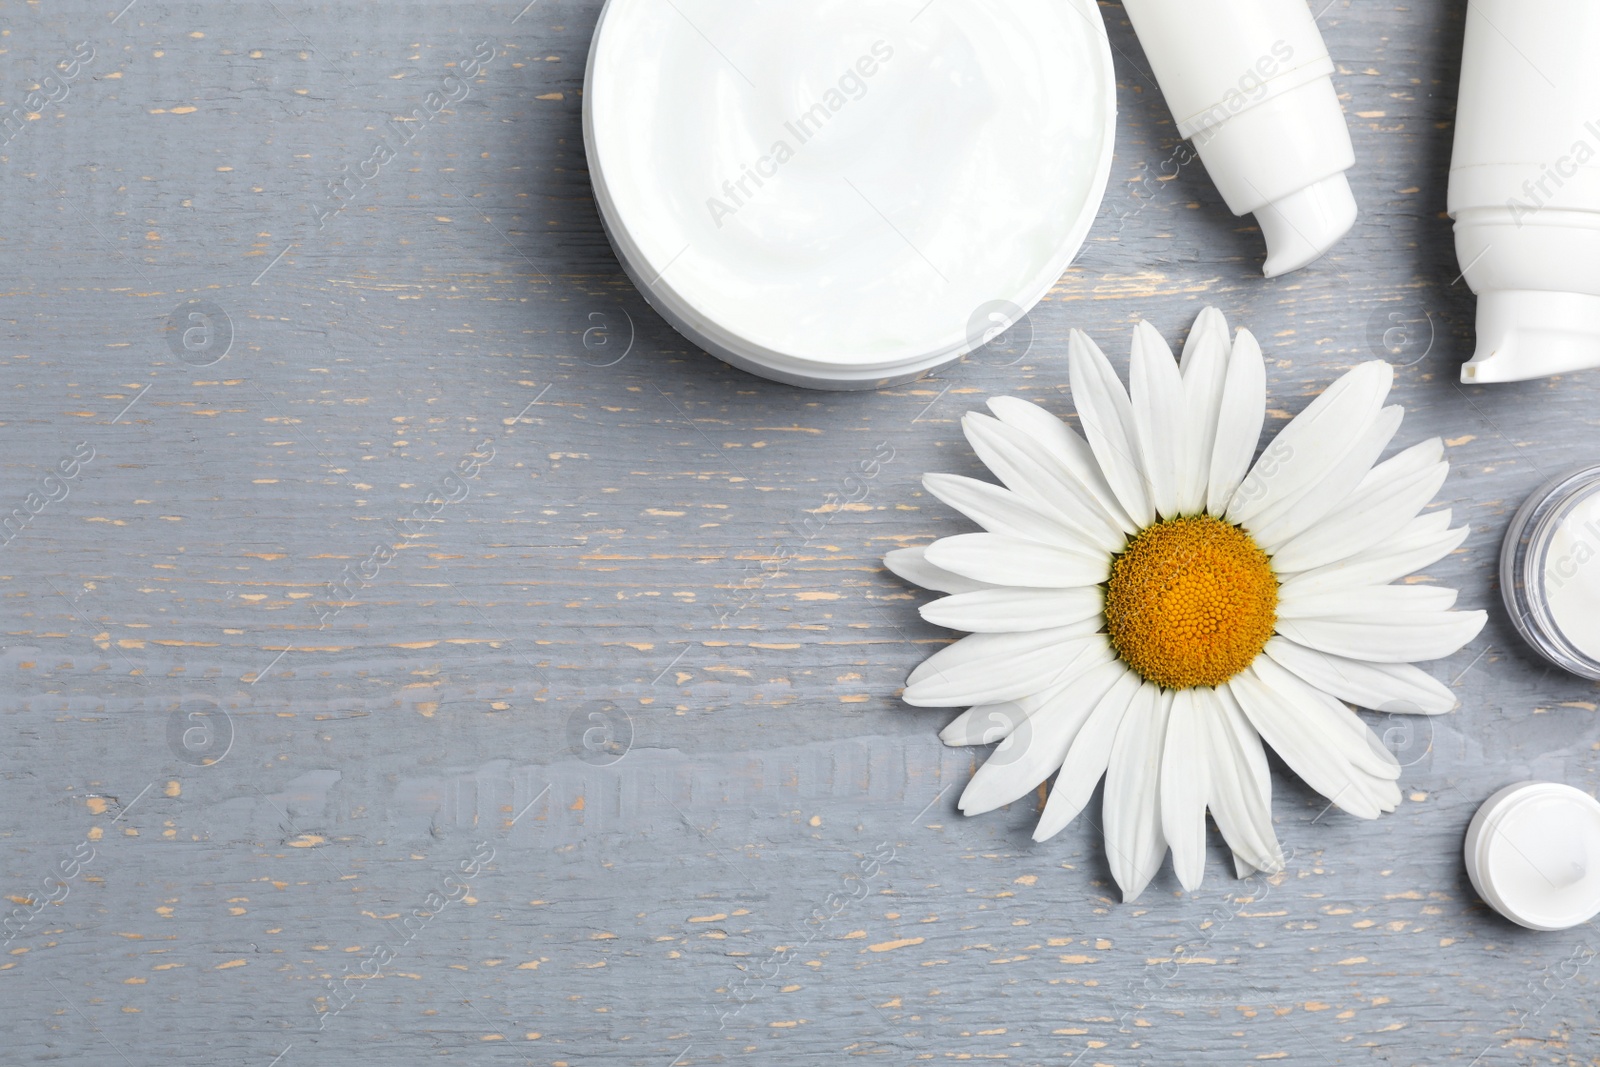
[[1533, 854], [1550, 571]]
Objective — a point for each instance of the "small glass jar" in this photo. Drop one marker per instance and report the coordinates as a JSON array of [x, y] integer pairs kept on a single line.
[[1550, 571]]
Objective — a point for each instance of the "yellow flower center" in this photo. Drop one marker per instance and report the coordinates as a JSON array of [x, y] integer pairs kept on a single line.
[[1191, 602]]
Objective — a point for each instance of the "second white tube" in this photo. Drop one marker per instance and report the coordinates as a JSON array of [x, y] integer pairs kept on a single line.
[[1251, 83], [1525, 186]]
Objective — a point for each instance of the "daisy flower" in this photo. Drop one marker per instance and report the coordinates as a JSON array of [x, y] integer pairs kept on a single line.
[[1150, 606]]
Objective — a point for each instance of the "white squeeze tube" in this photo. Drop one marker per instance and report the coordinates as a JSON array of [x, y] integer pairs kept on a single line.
[[1525, 186], [1251, 83]]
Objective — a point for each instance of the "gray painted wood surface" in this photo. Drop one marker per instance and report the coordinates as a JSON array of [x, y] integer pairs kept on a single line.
[[574, 680]]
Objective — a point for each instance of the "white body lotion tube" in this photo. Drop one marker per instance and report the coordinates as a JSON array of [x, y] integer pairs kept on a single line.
[[1251, 82], [1525, 186]]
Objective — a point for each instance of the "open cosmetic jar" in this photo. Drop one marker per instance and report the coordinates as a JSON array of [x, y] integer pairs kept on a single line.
[[1550, 571], [847, 194]]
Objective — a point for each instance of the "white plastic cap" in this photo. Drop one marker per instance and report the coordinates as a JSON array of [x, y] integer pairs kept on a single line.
[[1533, 854], [1283, 160], [1530, 333], [1303, 225]]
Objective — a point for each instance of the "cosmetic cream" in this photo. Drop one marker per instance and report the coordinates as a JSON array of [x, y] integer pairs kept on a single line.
[[1550, 571], [1525, 186], [832, 193], [1533, 854], [1251, 82]]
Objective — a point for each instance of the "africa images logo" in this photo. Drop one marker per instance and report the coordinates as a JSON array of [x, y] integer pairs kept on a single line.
[[852, 85]]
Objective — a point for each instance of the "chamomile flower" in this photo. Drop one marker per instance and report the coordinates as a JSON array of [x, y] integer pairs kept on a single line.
[[1152, 603]]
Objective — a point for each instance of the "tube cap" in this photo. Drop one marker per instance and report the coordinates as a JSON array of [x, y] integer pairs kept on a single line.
[[1303, 225], [1530, 333], [1283, 160]]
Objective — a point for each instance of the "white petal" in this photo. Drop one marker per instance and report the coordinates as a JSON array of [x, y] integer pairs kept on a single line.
[[1090, 753], [1156, 394], [1185, 784], [1034, 751], [968, 663], [1107, 419], [1207, 337], [1244, 411], [1205, 370], [1322, 716], [1408, 638], [984, 724], [1314, 441], [1363, 600], [1240, 796], [1000, 610], [1400, 556], [991, 651], [1305, 728], [1289, 517], [999, 510], [1419, 457], [912, 565], [1034, 472], [1131, 808], [973, 676], [1332, 777], [1070, 450], [1371, 515], [1383, 795], [1398, 688], [1002, 560], [1422, 528]]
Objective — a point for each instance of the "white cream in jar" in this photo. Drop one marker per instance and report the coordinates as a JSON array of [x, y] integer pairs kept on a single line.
[[847, 193], [1550, 572]]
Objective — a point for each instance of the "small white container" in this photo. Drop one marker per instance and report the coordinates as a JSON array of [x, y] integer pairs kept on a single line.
[[1250, 81], [1533, 854], [1550, 571], [1525, 186]]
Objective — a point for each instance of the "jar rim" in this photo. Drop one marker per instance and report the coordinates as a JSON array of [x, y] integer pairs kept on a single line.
[[1524, 554]]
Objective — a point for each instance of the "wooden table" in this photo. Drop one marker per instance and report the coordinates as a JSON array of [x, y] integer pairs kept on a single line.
[[400, 676]]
